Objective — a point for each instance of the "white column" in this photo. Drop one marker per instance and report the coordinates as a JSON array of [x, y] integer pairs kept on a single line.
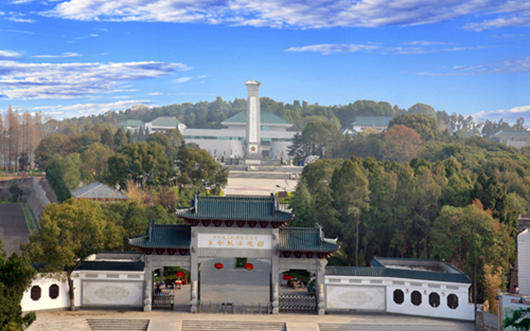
[[253, 143]]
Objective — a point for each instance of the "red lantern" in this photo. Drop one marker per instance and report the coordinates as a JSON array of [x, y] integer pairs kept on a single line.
[[180, 275], [218, 266], [287, 277], [249, 266]]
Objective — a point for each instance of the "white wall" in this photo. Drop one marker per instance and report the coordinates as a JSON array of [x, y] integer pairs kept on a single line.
[[364, 293], [45, 302], [523, 261], [91, 288]]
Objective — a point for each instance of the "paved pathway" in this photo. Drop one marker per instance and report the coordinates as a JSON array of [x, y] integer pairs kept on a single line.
[[175, 321]]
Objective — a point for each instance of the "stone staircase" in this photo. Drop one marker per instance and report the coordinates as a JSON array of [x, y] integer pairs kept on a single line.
[[202, 325], [90, 325], [403, 327], [60, 325], [118, 324]]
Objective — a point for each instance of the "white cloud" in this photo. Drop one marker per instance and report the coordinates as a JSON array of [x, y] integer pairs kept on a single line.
[[298, 14], [508, 115], [21, 31], [503, 67], [86, 109], [9, 55], [183, 80], [71, 80], [67, 54], [422, 47], [156, 93]]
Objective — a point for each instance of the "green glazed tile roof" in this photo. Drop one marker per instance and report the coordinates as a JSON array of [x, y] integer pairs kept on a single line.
[[165, 121], [111, 266], [512, 134], [266, 118], [306, 240], [372, 120], [235, 208], [98, 191], [164, 236], [378, 269]]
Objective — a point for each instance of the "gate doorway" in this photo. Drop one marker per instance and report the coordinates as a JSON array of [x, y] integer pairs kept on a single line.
[[172, 291]]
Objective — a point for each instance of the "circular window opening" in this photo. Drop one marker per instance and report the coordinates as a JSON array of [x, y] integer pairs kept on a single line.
[[452, 301], [434, 299], [54, 291], [415, 297], [399, 296], [35, 293]]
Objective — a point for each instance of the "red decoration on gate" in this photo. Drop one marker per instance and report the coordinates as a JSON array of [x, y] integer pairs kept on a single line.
[[218, 266], [180, 275], [287, 277], [249, 266]]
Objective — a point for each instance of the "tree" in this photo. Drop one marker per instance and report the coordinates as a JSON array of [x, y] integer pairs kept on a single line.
[[144, 163], [318, 138], [69, 233], [96, 158], [16, 275], [13, 123], [120, 138], [107, 139], [198, 168], [55, 177], [70, 170], [425, 125], [163, 140], [471, 238], [57, 143], [302, 206], [401, 143], [350, 193], [421, 108]]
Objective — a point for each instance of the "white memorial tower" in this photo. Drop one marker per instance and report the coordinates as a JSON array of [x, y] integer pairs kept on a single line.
[[253, 146]]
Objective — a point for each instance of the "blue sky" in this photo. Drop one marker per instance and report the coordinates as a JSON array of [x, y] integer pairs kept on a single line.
[[82, 57]]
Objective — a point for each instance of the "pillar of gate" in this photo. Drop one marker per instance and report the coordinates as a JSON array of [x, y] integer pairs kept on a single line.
[[194, 271], [321, 304], [148, 281]]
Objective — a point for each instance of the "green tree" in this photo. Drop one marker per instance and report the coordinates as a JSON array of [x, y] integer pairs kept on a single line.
[[164, 140], [425, 125], [16, 275], [302, 206], [120, 138], [350, 193], [198, 168], [144, 163], [107, 139], [95, 158], [69, 233], [70, 169], [320, 138], [421, 108], [471, 238], [55, 177], [57, 143]]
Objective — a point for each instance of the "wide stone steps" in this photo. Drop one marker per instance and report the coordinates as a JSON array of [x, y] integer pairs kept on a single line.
[[198, 325], [60, 325], [393, 327], [118, 324]]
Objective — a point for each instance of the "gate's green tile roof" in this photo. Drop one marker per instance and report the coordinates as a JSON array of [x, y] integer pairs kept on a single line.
[[235, 208], [131, 123], [164, 236], [306, 240], [378, 269], [98, 191], [266, 117]]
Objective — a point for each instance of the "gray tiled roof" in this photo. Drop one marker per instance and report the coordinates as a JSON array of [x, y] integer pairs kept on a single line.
[[306, 240], [235, 208], [112, 265], [98, 191], [266, 117], [512, 134], [164, 236], [380, 270], [372, 120]]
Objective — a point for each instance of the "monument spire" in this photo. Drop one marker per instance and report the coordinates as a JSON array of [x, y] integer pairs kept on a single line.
[[253, 144]]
